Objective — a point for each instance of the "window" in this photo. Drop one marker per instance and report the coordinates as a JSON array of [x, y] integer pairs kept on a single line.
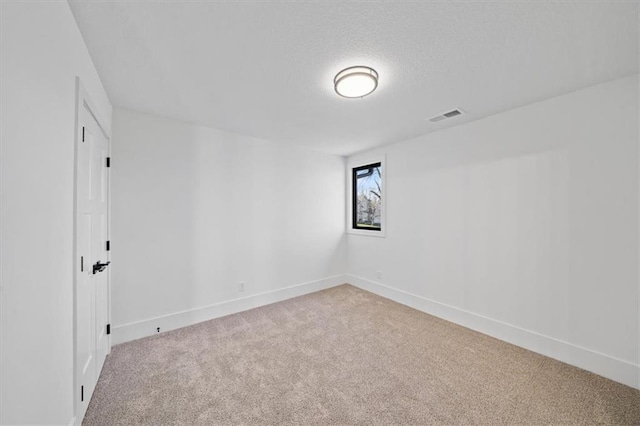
[[367, 195], [367, 207]]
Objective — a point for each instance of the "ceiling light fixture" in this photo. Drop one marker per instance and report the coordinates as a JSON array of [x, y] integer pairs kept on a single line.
[[355, 82]]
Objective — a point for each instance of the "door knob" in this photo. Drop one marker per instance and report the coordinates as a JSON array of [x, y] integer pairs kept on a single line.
[[99, 267]]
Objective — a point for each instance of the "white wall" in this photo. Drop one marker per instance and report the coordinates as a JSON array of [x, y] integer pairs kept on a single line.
[[523, 225], [196, 210], [41, 54]]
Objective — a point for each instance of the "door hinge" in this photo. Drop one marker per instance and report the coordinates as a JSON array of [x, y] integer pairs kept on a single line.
[[108, 161], [108, 328], [82, 133], [81, 263], [108, 245], [81, 393]]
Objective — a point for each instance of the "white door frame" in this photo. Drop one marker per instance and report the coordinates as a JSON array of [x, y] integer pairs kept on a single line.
[[83, 100]]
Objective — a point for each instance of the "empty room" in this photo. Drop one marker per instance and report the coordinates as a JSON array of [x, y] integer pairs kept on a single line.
[[319, 212]]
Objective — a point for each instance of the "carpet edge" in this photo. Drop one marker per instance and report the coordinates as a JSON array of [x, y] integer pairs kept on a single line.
[[147, 327], [613, 368]]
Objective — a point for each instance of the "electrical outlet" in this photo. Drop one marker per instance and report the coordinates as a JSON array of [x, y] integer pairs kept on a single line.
[[379, 275], [241, 286], [158, 329]]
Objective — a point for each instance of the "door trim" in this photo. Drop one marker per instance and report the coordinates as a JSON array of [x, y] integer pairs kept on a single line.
[[83, 100]]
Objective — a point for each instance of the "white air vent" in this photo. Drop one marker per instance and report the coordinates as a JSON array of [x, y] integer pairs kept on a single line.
[[449, 114]]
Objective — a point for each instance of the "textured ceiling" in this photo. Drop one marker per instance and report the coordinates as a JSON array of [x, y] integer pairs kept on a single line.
[[266, 69]]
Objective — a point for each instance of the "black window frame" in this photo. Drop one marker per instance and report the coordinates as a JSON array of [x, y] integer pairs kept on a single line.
[[354, 196]]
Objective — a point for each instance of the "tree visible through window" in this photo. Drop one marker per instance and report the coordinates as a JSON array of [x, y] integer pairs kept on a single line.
[[367, 197]]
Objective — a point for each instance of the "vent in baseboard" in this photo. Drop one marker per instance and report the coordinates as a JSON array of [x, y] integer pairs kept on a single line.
[[446, 115]]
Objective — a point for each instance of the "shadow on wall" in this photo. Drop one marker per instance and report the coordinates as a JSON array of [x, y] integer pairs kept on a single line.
[[529, 217], [153, 237], [206, 216]]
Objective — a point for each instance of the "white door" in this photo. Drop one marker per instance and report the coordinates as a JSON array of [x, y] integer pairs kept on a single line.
[[92, 219]]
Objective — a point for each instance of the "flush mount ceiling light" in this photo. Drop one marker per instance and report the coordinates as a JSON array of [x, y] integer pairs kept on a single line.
[[355, 82]]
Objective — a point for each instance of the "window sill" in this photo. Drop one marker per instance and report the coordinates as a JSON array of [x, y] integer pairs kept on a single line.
[[366, 233]]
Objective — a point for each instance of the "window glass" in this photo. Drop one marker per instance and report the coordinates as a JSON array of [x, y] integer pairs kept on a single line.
[[367, 197]]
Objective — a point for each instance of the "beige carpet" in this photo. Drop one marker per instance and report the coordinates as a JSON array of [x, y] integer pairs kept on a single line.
[[346, 356]]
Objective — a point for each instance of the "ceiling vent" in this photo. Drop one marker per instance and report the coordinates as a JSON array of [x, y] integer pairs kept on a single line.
[[446, 115]]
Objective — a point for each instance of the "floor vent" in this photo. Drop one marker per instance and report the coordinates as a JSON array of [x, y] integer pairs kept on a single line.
[[449, 114]]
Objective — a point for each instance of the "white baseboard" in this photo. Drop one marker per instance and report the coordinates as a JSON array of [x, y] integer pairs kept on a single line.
[[604, 365], [136, 330]]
